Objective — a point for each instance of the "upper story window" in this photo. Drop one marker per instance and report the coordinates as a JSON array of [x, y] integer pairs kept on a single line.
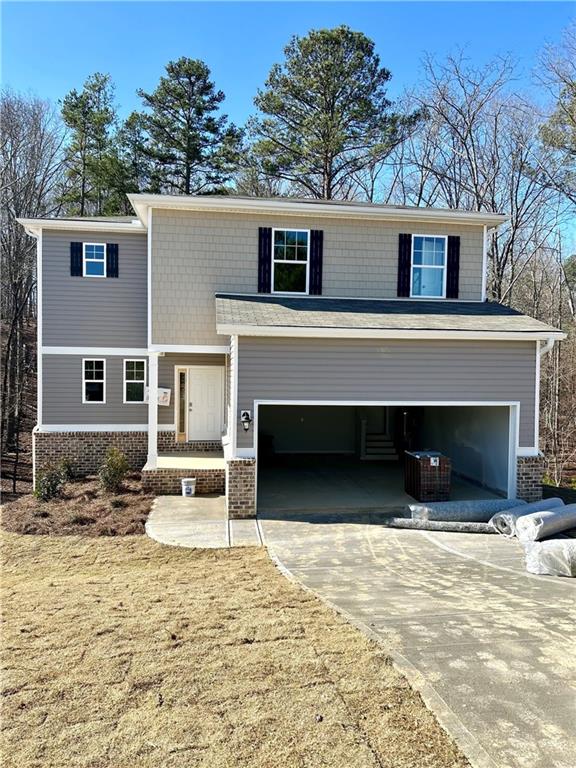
[[428, 270], [290, 260], [93, 381], [134, 380], [94, 260]]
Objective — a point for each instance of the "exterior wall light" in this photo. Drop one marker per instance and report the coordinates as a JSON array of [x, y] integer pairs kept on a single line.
[[246, 419]]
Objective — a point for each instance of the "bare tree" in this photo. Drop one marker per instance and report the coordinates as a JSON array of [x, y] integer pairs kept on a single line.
[[478, 149], [30, 179]]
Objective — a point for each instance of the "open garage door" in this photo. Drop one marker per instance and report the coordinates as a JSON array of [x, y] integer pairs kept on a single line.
[[322, 457]]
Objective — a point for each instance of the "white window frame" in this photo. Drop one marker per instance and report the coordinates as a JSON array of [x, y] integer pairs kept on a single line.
[[85, 380], [429, 266], [307, 262], [134, 360], [84, 259]]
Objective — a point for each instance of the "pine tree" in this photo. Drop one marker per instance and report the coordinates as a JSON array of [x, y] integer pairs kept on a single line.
[[191, 147], [325, 114], [90, 116]]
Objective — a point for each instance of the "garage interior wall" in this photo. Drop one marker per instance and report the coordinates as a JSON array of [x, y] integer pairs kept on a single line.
[[475, 439]]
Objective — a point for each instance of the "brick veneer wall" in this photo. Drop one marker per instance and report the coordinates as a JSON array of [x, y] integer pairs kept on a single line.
[[167, 442], [87, 450], [530, 470], [241, 488], [167, 481]]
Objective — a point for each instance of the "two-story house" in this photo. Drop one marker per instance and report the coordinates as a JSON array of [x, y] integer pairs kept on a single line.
[[215, 336]]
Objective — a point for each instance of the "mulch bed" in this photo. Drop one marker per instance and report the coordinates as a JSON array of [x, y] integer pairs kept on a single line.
[[84, 509]]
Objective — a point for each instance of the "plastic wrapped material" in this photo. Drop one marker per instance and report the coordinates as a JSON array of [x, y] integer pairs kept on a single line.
[[437, 525], [478, 511], [555, 557], [542, 525], [505, 522]]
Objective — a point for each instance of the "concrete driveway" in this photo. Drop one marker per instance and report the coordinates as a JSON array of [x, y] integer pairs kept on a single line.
[[491, 648]]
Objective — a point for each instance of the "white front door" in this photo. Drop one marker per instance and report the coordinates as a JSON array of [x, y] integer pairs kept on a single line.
[[205, 403]]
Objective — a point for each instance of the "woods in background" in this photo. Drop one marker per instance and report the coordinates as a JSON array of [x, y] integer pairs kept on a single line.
[[324, 127]]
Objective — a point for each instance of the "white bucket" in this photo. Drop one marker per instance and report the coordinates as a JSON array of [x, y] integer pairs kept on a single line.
[[188, 486]]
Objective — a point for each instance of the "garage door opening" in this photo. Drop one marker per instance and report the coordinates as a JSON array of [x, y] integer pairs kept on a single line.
[[322, 457]]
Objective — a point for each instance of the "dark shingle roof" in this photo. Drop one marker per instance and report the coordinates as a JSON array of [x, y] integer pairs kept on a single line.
[[320, 312]]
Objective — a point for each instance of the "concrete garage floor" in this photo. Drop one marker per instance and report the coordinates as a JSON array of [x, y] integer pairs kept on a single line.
[[336, 482], [490, 647]]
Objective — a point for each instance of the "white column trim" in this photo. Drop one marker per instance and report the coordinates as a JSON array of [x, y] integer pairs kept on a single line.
[[152, 409], [234, 351], [39, 329], [149, 279]]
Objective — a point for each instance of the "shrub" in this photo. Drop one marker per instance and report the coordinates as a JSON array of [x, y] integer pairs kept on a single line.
[[68, 470], [49, 484], [118, 503], [113, 471]]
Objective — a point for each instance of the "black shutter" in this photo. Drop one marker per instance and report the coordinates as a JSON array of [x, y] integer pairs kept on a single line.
[[264, 259], [452, 267], [75, 259], [111, 260], [404, 259], [316, 253]]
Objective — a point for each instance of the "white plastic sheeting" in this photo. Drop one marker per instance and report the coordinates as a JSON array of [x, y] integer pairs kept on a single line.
[[477, 511], [555, 557], [541, 525], [505, 522]]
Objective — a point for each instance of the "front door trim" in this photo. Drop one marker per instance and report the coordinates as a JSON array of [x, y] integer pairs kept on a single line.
[[189, 369]]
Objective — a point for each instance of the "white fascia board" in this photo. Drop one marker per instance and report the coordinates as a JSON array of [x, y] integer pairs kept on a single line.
[[102, 428], [102, 351], [287, 207], [382, 333], [201, 349], [35, 226]]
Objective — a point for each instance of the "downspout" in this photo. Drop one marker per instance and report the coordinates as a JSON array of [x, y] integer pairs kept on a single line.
[[547, 347]]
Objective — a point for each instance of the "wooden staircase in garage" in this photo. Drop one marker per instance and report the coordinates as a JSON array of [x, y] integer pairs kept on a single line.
[[376, 446]]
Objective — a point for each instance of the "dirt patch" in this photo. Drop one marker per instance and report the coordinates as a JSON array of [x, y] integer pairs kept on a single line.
[[84, 509], [122, 652]]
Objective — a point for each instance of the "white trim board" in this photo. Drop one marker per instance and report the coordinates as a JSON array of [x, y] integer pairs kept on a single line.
[[318, 209], [201, 349], [35, 226], [383, 333], [99, 351], [101, 428]]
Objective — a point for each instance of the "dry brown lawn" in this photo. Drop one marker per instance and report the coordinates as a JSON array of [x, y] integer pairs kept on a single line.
[[126, 654]]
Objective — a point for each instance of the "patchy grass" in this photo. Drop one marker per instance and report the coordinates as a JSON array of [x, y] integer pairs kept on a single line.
[[122, 652], [84, 509]]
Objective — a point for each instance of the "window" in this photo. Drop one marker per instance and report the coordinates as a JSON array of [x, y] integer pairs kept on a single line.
[[428, 278], [93, 381], [290, 258], [94, 260], [134, 380]]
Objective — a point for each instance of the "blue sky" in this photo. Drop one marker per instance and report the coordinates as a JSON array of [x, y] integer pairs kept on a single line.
[[50, 47]]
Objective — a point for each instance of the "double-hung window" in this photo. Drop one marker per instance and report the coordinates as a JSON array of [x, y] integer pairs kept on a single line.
[[134, 380], [290, 260], [428, 271], [93, 381], [94, 260]]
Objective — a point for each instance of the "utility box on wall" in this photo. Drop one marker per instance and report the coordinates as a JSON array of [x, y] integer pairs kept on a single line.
[[427, 475]]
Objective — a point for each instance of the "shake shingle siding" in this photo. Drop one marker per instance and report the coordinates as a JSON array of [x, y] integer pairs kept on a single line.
[[394, 370], [92, 311], [199, 254]]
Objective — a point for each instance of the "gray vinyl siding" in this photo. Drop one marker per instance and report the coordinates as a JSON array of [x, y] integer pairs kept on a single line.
[[90, 311], [62, 390], [166, 366], [397, 370], [62, 394], [195, 255]]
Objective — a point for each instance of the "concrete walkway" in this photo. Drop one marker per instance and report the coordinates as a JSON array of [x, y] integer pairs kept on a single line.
[[200, 521], [491, 648]]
